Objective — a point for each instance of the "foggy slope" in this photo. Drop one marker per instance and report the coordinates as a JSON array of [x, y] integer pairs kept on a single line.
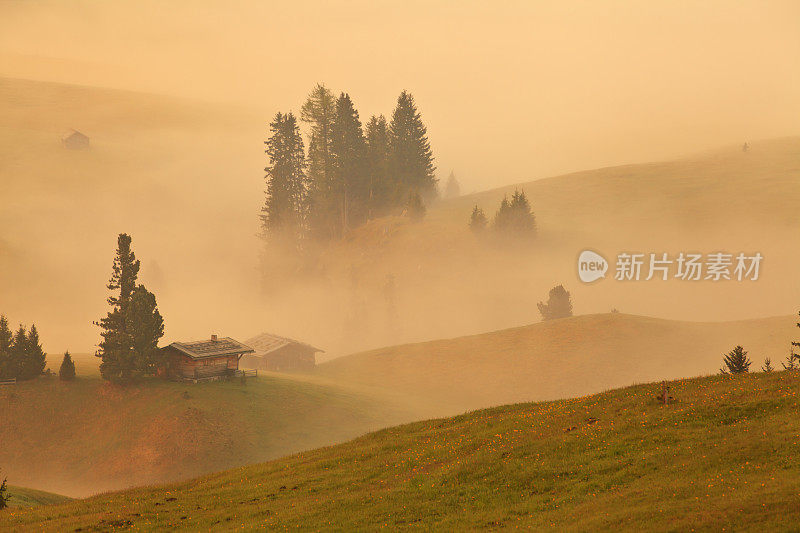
[[558, 359], [87, 436], [185, 179]]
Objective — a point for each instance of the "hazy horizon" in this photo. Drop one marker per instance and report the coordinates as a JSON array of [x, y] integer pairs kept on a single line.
[[510, 93]]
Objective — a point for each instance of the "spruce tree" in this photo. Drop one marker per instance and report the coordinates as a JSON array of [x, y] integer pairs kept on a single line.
[[319, 111], [6, 337], [477, 221], [66, 371], [452, 189], [796, 344], [767, 367], [381, 191], [736, 362], [35, 358], [18, 352], [133, 326], [559, 304], [410, 157], [349, 156], [284, 213]]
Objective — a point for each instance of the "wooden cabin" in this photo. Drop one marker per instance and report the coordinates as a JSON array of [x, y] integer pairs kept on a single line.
[[280, 354], [214, 358], [75, 140]]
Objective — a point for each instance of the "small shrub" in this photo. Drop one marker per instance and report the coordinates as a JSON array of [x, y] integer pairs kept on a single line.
[[736, 362]]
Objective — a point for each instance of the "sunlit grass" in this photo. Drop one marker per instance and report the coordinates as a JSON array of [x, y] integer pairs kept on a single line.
[[723, 455]]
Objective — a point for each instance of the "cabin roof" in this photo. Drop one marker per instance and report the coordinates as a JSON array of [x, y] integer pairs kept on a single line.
[[267, 342], [73, 133], [211, 348]]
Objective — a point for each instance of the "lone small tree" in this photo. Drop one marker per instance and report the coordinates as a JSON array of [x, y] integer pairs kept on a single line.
[[559, 304], [67, 370], [790, 360], [477, 221], [767, 367], [736, 362], [4, 497], [452, 189]]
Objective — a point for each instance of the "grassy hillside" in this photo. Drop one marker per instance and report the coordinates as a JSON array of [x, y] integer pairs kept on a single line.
[[723, 455], [557, 359], [88, 436], [22, 497]]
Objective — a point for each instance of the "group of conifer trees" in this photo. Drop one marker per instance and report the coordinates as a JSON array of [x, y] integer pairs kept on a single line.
[[514, 217], [350, 173], [21, 353]]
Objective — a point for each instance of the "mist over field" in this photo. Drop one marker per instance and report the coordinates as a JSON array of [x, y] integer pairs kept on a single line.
[[509, 94]]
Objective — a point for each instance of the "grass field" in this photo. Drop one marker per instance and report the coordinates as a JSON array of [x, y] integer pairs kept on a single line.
[[723, 455], [88, 436], [22, 497]]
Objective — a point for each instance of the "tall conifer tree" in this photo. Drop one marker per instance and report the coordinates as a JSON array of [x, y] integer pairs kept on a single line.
[[411, 159], [349, 150], [132, 327], [284, 212], [35, 358], [380, 188], [318, 112]]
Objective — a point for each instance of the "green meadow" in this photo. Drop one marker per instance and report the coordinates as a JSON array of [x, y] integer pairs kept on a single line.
[[722, 455]]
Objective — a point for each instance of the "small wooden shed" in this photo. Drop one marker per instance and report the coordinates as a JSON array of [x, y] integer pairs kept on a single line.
[[75, 140], [205, 360], [280, 354]]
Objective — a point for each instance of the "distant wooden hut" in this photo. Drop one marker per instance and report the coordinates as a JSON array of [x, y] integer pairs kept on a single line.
[[205, 360], [75, 140], [280, 354]]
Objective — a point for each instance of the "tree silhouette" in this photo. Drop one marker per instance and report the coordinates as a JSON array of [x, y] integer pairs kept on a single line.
[[736, 362]]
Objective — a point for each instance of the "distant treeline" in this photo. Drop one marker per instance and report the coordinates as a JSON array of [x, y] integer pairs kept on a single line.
[[349, 174], [21, 353]]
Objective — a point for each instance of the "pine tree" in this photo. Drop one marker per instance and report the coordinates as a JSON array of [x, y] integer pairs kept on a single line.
[[559, 304], [411, 165], [767, 365], [381, 191], [796, 344], [6, 337], [35, 358], [319, 111], [67, 370], [452, 189], [477, 221], [4, 497], [18, 352], [349, 156], [415, 208], [736, 362], [132, 327], [284, 214]]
